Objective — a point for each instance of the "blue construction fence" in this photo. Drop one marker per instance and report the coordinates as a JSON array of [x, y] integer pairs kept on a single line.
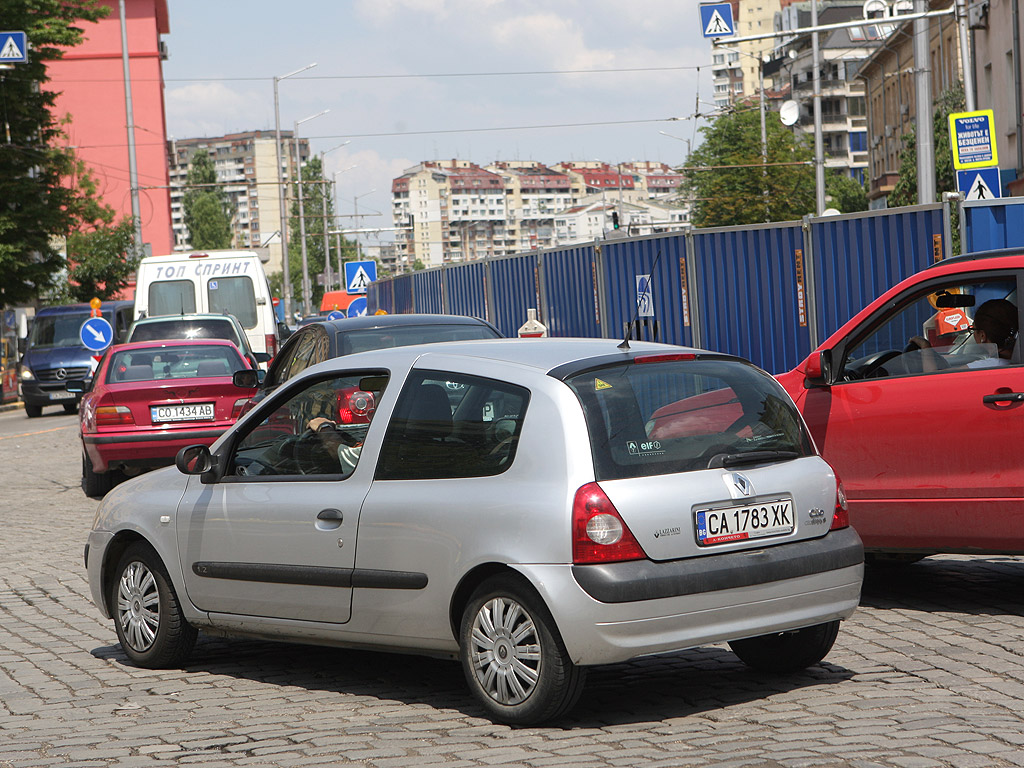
[[770, 293]]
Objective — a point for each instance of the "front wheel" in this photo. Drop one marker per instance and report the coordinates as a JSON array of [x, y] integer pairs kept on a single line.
[[787, 651], [147, 616], [513, 656], [33, 411]]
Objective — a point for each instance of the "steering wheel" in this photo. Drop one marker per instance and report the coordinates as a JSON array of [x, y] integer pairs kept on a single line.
[[242, 469], [873, 363]]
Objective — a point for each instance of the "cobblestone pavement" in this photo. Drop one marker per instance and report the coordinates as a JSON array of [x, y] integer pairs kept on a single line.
[[927, 673]]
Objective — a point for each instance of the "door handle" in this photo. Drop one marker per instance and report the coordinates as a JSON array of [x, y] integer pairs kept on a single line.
[[331, 515], [1004, 397]]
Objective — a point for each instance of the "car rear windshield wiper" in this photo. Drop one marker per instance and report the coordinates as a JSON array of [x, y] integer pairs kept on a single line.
[[750, 457]]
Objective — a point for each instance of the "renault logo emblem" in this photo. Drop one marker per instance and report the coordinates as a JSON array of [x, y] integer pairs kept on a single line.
[[62, 374], [742, 485]]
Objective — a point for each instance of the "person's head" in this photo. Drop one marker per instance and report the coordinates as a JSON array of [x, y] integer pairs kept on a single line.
[[995, 322]]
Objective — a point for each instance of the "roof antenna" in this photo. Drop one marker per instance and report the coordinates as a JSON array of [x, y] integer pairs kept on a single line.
[[639, 299]]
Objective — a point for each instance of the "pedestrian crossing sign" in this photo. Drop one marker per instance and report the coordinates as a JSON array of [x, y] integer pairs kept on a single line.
[[716, 20], [979, 184], [359, 275], [13, 48]]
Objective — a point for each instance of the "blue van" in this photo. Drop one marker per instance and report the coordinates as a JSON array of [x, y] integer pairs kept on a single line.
[[54, 353]]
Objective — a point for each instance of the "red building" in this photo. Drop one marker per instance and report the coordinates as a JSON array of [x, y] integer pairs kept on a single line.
[[90, 84]]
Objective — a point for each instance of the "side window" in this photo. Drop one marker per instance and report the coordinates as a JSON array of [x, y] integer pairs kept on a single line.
[[172, 297], [953, 327], [452, 425], [298, 359], [233, 296], [318, 431]]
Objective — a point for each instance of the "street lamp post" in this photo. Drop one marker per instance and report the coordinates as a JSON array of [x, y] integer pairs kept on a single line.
[[281, 190], [329, 277], [337, 235], [302, 214]]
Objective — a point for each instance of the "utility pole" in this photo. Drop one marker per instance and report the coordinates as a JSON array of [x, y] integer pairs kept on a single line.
[[819, 151], [923, 84], [133, 170]]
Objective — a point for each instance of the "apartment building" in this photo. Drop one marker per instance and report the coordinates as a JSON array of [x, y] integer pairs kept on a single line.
[[455, 210], [246, 164]]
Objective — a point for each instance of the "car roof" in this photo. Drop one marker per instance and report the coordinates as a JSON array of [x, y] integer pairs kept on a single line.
[[544, 354], [157, 343], [73, 308], [187, 316], [979, 256], [387, 321]]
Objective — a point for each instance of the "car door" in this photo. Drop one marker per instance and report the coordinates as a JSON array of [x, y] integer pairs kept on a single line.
[[275, 535], [924, 425]]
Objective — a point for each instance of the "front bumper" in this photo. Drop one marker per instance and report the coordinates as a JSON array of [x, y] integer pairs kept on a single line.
[[647, 608], [34, 393], [95, 553]]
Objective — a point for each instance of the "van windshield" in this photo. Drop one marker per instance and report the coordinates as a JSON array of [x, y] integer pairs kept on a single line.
[[52, 331]]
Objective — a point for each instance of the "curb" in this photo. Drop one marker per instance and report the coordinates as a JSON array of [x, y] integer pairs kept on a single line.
[[12, 406]]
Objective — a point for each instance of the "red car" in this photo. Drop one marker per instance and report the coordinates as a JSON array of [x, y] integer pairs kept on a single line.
[[150, 399], [918, 403]]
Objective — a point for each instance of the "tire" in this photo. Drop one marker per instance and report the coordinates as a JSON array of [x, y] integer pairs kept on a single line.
[[513, 657], [787, 651], [33, 411], [95, 485], [147, 616], [891, 559], [70, 407]]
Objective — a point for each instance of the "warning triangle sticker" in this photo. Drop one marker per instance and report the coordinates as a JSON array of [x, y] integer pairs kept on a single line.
[[599, 385], [11, 50], [716, 25], [360, 280]]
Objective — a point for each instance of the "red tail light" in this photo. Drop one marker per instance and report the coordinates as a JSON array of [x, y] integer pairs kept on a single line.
[[599, 534], [354, 406], [841, 517], [113, 416], [271, 341], [239, 408]]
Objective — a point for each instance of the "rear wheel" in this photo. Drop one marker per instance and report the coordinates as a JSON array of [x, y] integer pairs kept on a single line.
[[513, 656], [96, 485], [33, 411], [787, 651], [147, 616]]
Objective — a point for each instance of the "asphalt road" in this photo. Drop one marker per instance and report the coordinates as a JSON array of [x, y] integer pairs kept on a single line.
[[927, 673]]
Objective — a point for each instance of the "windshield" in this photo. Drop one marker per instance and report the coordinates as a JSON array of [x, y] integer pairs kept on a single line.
[[52, 331], [659, 418], [350, 342]]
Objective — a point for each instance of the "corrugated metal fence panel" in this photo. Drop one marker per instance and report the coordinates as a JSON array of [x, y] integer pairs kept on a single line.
[[571, 292], [514, 285], [467, 289], [428, 289], [859, 256], [751, 301], [375, 296], [623, 260], [402, 302], [991, 224]]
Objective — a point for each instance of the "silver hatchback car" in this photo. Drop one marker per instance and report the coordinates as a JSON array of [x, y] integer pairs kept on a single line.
[[530, 507]]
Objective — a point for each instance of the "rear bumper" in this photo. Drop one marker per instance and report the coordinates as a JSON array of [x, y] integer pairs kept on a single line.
[[145, 449], [686, 606]]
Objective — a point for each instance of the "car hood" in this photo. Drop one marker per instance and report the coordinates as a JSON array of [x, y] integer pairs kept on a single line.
[[57, 357]]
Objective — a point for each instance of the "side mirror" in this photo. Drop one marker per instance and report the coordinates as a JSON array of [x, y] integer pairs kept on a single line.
[[818, 369], [262, 357], [247, 379], [196, 460]]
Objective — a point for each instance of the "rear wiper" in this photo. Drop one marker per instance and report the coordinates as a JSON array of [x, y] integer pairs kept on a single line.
[[750, 457]]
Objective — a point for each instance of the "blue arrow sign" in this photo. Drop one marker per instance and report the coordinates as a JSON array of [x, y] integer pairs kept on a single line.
[[716, 20], [358, 307], [13, 48], [979, 184], [96, 334], [336, 314], [359, 275]]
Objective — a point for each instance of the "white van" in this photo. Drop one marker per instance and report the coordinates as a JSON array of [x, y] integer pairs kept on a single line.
[[219, 282]]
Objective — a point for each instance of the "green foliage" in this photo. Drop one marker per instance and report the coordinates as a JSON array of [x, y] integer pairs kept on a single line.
[[35, 205], [735, 195], [207, 211], [844, 193], [905, 190]]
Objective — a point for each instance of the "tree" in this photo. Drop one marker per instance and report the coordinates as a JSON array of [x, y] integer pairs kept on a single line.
[[727, 179], [35, 204], [844, 193], [207, 211], [905, 190]]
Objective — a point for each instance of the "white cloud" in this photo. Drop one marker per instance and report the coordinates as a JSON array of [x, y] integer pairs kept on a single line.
[[204, 109]]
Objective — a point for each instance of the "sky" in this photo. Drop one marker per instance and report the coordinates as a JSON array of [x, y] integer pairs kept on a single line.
[[412, 80]]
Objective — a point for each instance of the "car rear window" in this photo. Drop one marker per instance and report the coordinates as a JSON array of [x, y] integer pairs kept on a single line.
[[683, 415], [207, 328], [172, 297], [159, 363], [350, 342]]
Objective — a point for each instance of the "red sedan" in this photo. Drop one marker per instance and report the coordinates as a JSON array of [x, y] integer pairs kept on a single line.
[[150, 399]]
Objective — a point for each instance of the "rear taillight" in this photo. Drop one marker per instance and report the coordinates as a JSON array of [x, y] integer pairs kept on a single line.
[[239, 408], [841, 517], [354, 406], [599, 534], [271, 341], [113, 415]]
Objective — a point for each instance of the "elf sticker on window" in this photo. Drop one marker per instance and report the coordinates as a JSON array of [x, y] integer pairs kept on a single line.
[[646, 448], [599, 385]]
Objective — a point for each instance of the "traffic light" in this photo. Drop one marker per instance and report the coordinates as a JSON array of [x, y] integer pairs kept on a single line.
[[615, 219]]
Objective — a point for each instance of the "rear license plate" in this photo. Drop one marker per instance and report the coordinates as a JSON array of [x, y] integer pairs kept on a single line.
[[192, 412], [62, 395], [752, 521]]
